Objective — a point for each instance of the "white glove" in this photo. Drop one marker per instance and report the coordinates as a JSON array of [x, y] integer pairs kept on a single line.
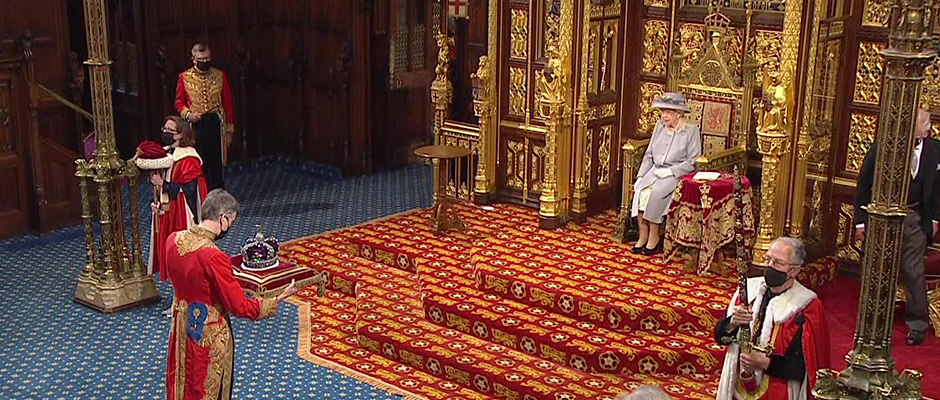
[[663, 172]]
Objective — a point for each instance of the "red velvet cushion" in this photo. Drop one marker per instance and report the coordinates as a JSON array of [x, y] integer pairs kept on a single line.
[[932, 263], [267, 282]]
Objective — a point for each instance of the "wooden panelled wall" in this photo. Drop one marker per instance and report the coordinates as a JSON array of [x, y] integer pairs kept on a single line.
[[39, 137], [864, 73], [337, 82]]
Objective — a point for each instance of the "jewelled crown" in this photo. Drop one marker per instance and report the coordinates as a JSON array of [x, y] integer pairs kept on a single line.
[[260, 252]]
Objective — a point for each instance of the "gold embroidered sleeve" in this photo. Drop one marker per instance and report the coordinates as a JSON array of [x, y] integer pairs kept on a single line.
[[229, 128], [268, 307]]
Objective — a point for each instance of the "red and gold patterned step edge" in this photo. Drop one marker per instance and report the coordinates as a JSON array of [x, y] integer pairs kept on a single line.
[[577, 344], [599, 285], [389, 324]]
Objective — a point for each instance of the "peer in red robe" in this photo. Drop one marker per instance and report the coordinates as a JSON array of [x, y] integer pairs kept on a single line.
[[180, 203], [793, 323], [201, 352]]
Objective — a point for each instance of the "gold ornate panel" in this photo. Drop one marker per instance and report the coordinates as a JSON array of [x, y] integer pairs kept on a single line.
[[693, 40], [655, 47], [603, 155], [552, 22], [519, 34], [515, 164], [540, 112], [931, 95], [876, 12], [611, 9], [658, 3], [603, 42], [773, 6], [861, 135], [518, 91], [869, 73], [537, 169], [847, 242], [648, 116], [769, 48]]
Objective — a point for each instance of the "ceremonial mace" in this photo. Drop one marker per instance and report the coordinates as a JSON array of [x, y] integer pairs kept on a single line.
[[746, 341]]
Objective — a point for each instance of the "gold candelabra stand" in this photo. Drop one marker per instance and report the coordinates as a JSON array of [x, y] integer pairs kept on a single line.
[[870, 373], [114, 276]]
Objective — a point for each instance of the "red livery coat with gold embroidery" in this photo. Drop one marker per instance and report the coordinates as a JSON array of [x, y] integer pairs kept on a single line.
[[205, 93], [176, 214], [201, 350], [785, 312]]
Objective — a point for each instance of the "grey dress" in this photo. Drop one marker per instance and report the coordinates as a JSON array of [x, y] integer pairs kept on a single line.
[[676, 151]]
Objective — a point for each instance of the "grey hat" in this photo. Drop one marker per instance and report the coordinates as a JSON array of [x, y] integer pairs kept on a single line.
[[672, 101]]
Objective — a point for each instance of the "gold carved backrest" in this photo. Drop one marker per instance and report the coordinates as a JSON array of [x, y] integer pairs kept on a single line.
[[714, 90]]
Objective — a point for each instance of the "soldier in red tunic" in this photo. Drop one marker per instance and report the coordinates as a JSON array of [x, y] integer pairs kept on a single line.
[[201, 352], [204, 99]]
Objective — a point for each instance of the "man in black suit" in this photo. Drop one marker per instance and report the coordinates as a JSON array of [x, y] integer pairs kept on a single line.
[[919, 227]]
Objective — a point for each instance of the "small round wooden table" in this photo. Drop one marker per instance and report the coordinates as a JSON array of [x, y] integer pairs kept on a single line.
[[441, 218]]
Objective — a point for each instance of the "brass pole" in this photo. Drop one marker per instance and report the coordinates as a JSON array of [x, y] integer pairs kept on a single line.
[[870, 373]]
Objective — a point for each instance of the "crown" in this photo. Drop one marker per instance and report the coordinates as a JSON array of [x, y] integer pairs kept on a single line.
[[260, 252], [715, 21]]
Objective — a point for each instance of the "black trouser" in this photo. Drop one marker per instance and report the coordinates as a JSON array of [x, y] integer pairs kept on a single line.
[[913, 251], [208, 132]]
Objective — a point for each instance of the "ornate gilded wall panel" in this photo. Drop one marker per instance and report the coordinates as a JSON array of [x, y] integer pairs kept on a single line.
[[515, 164], [693, 40], [876, 12], [869, 73], [518, 91], [602, 111], [610, 9], [540, 112], [658, 3], [655, 47], [847, 242], [537, 169], [552, 21], [588, 152], [931, 95], [603, 155], [519, 34], [647, 115], [861, 135], [769, 48]]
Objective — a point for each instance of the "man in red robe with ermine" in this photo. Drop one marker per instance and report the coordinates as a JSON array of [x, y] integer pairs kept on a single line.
[[785, 317], [201, 354]]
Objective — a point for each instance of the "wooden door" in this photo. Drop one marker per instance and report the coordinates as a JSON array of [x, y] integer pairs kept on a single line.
[[15, 206], [521, 125], [605, 64]]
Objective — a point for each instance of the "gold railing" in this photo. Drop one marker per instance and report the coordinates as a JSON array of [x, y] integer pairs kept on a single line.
[[460, 180]]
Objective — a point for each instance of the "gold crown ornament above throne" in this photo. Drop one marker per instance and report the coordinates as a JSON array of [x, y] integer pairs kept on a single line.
[[260, 252]]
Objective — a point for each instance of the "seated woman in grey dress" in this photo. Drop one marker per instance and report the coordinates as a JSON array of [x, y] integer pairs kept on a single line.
[[672, 151]]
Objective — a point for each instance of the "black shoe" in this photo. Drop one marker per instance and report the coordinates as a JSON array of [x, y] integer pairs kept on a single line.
[[654, 251], [638, 249], [915, 338]]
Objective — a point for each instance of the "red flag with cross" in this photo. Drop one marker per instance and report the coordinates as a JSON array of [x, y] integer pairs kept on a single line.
[[457, 8]]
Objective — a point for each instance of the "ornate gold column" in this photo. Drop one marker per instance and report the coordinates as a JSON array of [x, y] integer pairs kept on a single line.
[[111, 283], [774, 132], [870, 373], [583, 114], [805, 139], [484, 188], [555, 86]]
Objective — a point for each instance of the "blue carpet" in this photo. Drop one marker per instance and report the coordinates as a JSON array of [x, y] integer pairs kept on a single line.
[[54, 348]]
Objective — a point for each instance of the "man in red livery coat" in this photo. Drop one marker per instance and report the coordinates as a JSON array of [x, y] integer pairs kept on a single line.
[[182, 188], [786, 317], [201, 354], [204, 99]]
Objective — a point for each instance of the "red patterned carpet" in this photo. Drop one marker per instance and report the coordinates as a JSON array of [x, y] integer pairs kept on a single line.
[[506, 310]]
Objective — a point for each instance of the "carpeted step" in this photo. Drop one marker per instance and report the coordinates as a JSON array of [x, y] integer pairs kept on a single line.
[[329, 253], [577, 344], [392, 325], [614, 291]]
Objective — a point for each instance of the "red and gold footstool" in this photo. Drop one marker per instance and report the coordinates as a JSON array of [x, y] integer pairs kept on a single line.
[[272, 281]]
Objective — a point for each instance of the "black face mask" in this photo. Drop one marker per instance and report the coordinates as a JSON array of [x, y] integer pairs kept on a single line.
[[774, 278], [203, 65], [168, 139], [222, 233]]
